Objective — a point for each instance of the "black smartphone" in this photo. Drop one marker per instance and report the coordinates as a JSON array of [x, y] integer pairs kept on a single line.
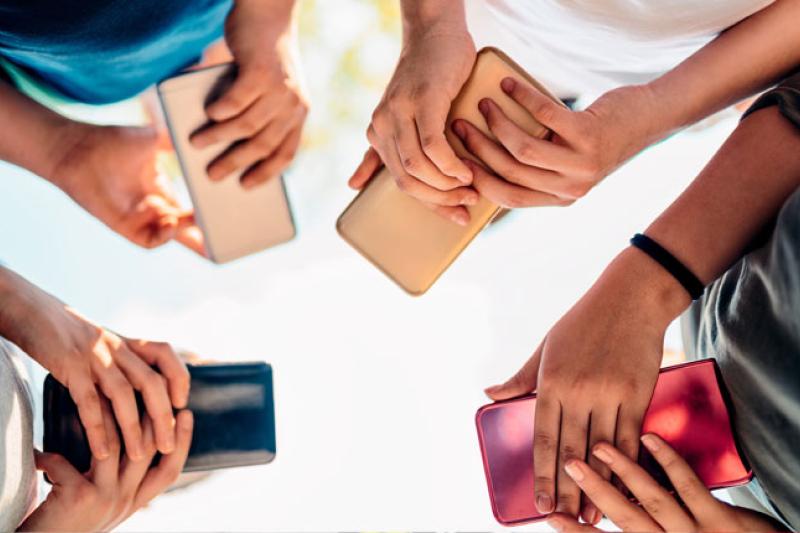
[[234, 418]]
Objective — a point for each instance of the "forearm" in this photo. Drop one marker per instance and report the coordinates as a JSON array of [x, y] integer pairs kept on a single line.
[[34, 137], [274, 20], [421, 16], [737, 194], [743, 60]]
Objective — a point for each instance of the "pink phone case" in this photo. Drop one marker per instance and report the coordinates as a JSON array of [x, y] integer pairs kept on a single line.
[[688, 410]]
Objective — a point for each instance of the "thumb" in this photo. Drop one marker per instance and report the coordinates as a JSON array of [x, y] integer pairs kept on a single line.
[[57, 468], [522, 382], [190, 235], [369, 165]]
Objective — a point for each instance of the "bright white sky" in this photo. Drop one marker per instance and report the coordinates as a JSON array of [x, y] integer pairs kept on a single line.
[[375, 391]]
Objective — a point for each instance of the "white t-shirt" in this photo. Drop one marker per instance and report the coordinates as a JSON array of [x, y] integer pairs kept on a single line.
[[583, 48], [18, 480]]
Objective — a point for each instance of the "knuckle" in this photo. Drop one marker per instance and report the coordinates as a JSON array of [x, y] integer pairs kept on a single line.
[[411, 164], [545, 442], [545, 111], [515, 200], [651, 504], [405, 183], [528, 152], [86, 495], [566, 501], [542, 481], [568, 452], [565, 202]]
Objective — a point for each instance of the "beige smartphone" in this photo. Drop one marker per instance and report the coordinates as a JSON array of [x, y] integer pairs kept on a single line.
[[235, 221], [402, 237]]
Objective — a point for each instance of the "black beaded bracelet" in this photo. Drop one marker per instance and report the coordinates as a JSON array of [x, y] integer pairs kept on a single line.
[[678, 270]]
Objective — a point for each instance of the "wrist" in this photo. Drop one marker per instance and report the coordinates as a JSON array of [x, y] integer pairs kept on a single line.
[[656, 297], [443, 18], [66, 138]]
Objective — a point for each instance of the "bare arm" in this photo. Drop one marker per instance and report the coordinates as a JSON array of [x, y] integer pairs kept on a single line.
[[589, 145], [609, 370]]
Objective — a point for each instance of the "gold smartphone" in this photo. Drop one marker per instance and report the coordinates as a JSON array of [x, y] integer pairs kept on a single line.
[[235, 221], [402, 237]]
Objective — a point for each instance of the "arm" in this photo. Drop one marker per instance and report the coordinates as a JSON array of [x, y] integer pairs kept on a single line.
[[93, 362], [264, 110], [588, 145], [607, 373], [407, 128]]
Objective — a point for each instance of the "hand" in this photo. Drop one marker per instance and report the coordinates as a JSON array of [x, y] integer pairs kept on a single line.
[[697, 509], [114, 488], [111, 172], [85, 357], [584, 148], [594, 374], [407, 128], [262, 114]]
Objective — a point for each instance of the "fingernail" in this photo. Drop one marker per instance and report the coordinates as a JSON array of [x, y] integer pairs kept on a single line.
[[651, 443], [508, 84], [137, 452], [544, 503], [483, 106], [574, 471], [470, 200], [603, 455], [103, 452], [462, 219], [492, 389], [459, 129], [186, 420]]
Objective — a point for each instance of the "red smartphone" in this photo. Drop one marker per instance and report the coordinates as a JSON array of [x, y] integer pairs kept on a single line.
[[689, 410]]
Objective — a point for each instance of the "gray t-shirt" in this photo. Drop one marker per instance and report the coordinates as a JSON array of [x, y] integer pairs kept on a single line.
[[749, 320], [17, 468]]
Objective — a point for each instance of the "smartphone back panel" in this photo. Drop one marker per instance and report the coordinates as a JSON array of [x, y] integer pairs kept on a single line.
[[235, 221], [401, 236], [688, 410], [234, 418]]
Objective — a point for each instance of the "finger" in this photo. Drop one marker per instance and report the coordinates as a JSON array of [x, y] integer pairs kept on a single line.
[[84, 394], [133, 471], [272, 166], [457, 214], [115, 387], [502, 163], [241, 126], [562, 522], [155, 221], [544, 109], [431, 127], [602, 427], [525, 148], [190, 235], [244, 154], [158, 479], [416, 163], [629, 428], [689, 487], [658, 503], [169, 363], [545, 452], [572, 445], [412, 186], [369, 165], [244, 91], [618, 508], [522, 382], [508, 195], [104, 473], [58, 469], [153, 387]]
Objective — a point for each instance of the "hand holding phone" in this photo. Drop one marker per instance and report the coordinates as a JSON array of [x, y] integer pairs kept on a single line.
[[688, 410]]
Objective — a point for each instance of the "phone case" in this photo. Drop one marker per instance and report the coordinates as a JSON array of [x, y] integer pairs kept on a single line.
[[411, 244], [234, 418], [689, 409], [235, 221]]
